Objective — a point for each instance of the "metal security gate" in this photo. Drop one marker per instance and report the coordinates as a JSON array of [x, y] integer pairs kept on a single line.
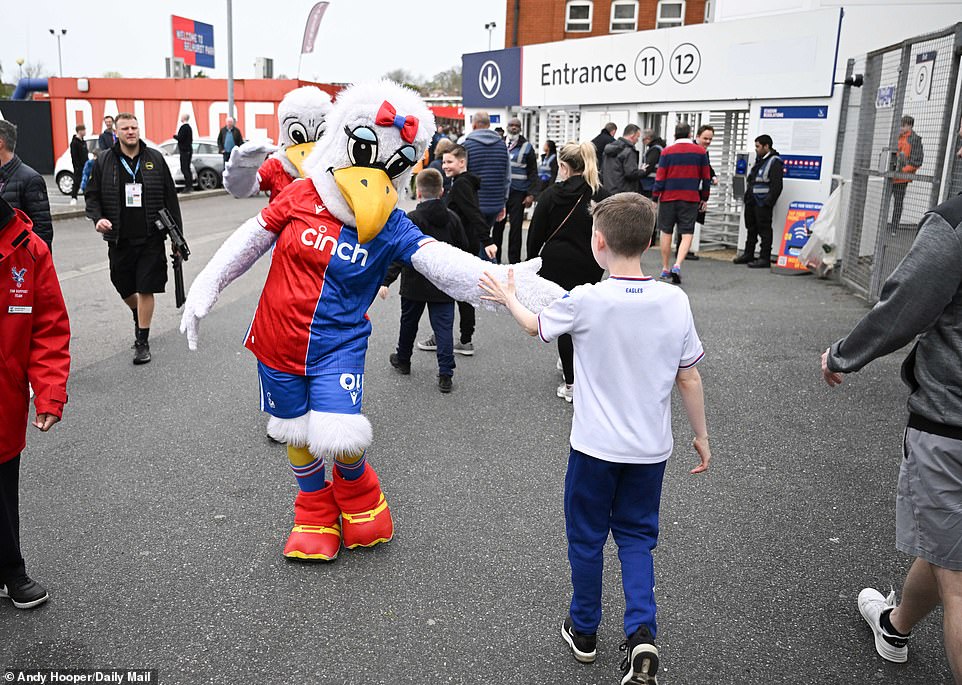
[[724, 210], [910, 85], [563, 126]]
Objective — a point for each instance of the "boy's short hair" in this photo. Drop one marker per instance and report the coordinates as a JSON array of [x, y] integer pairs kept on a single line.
[[626, 220], [80, 127], [429, 183], [458, 151], [908, 120], [705, 127]]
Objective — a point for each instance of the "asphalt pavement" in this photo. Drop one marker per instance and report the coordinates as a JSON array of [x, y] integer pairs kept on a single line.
[[156, 512]]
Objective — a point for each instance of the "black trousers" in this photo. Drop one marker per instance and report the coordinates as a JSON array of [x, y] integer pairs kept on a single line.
[[758, 222], [78, 175], [515, 215], [898, 202], [185, 158], [566, 351], [11, 560], [466, 321]]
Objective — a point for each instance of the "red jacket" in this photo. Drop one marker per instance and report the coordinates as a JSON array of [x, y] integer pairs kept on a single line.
[[34, 334]]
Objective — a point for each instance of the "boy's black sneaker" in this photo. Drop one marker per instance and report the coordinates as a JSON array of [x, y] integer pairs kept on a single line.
[[24, 593], [403, 368], [444, 384], [582, 646], [640, 665], [141, 353]]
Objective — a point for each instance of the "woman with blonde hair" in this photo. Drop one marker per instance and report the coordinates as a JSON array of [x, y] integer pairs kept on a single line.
[[560, 232]]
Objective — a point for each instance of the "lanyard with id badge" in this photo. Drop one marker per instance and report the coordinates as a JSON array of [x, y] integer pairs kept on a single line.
[[133, 192]]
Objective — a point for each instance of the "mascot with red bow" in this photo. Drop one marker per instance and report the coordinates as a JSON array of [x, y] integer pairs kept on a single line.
[[334, 235]]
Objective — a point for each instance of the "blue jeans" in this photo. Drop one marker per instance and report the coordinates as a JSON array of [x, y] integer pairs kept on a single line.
[[441, 315], [623, 498]]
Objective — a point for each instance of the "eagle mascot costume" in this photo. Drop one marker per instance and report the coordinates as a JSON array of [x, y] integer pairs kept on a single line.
[[300, 120], [334, 234]]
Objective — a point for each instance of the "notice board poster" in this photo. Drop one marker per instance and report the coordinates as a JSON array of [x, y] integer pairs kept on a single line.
[[798, 226], [798, 134]]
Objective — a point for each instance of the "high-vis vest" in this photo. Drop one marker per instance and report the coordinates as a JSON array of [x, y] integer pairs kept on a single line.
[[544, 169], [519, 170], [762, 179]]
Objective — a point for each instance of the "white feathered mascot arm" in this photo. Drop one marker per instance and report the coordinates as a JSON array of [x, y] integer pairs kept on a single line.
[[238, 253], [457, 273], [240, 172]]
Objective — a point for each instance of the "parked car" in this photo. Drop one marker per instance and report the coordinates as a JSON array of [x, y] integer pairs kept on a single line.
[[208, 163], [63, 169]]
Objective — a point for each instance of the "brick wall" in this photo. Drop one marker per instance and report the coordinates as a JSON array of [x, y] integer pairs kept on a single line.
[[543, 21]]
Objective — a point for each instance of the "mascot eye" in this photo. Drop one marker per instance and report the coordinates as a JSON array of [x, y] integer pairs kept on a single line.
[[320, 131], [401, 161], [361, 146], [297, 133]]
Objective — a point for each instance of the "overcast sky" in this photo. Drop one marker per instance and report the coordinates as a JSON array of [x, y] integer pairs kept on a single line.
[[358, 39]]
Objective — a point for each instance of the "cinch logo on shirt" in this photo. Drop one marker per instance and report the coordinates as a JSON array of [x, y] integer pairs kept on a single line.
[[314, 237]]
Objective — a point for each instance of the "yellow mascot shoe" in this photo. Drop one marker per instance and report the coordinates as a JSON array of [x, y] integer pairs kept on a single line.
[[365, 515], [316, 535]]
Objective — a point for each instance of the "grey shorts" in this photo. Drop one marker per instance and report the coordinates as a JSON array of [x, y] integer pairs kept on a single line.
[[681, 213], [928, 508]]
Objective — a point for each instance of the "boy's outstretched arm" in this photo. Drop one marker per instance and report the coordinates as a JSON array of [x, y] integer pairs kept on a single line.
[[505, 293], [689, 385]]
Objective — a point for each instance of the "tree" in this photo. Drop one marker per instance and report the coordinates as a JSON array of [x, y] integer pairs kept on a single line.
[[447, 82], [200, 74], [406, 78], [35, 70]]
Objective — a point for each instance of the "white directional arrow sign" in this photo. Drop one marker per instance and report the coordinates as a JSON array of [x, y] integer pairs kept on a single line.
[[489, 79]]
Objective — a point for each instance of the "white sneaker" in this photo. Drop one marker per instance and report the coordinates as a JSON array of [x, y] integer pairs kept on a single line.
[[566, 392], [871, 604], [73, 202], [428, 345]]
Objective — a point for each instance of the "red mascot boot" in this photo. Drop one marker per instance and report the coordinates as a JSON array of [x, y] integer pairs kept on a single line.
[[316, 535], [364, 512]]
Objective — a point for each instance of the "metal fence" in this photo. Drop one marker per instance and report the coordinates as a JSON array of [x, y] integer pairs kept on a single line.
[[897, 147]]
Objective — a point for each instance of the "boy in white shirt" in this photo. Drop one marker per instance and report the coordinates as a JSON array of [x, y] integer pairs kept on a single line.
[[621, 431]]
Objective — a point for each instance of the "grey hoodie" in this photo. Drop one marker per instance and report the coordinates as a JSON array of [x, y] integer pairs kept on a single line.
[[923, 297]]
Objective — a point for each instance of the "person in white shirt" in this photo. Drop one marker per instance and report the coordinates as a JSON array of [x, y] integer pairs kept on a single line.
[[621, 431]]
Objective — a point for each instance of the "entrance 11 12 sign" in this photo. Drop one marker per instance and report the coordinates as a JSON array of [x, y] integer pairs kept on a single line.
[[193, 41]]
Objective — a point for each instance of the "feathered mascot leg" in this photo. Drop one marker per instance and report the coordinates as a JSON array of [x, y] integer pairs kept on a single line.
[[316, 535], [365, 516]]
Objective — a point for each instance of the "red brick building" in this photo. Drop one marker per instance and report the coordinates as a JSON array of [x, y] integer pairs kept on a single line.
[[546, 21]]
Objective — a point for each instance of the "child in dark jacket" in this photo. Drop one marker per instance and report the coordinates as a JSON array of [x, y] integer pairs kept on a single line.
[[463, 201], [440, 223]]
